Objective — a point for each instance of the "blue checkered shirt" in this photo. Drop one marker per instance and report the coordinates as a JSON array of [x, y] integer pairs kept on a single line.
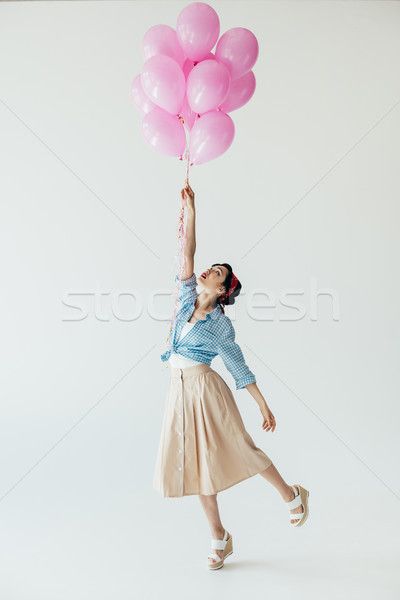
[[209, 337]]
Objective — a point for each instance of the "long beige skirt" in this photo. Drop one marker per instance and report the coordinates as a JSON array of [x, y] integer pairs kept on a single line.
[[204, 447]]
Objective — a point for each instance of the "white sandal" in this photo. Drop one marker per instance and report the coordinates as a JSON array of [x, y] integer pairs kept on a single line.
[[226, 545], [300, 499]]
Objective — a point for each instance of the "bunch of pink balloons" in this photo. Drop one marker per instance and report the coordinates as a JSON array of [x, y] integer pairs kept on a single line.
[[185, 91]]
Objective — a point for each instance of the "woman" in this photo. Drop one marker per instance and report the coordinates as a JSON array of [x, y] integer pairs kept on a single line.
[[204, 447]]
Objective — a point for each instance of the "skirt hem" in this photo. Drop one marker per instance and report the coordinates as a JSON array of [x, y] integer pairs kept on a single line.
[[216, 491]]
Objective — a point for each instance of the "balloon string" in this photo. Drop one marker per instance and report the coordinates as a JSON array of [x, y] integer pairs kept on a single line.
[[181, 259], [187, 166], [180, 256]]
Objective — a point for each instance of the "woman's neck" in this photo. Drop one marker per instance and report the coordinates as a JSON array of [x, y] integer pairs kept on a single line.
[[205, 302]]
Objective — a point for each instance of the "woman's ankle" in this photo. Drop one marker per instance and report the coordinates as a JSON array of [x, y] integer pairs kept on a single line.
[[288, 494], [218, 532]]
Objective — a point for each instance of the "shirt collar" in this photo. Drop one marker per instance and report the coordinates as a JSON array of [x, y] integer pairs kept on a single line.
[[214, 314]]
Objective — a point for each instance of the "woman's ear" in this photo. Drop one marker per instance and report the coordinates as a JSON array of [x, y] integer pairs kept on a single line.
[[221, 290]]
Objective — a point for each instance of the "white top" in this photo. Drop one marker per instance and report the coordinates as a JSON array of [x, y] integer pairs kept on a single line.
[[177, 361]]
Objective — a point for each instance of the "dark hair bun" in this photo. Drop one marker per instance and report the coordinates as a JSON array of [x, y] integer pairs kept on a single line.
[[228, 300]]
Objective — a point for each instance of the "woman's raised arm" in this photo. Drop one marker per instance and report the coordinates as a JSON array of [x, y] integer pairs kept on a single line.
[[190, 243]]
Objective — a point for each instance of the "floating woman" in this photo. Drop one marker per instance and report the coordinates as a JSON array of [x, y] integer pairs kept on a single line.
[[204, 447]]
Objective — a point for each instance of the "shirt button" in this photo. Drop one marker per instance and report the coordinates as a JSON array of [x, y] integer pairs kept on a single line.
[[179, 468], [179, 450]]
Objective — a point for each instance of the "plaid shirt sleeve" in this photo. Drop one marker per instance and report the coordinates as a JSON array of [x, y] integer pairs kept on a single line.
[[187, 288], [233, 358]]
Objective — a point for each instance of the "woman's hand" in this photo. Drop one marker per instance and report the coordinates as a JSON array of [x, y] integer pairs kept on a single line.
[[188, 196], [269, 422], [269, 419]]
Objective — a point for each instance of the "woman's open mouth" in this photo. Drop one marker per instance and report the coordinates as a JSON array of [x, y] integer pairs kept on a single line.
[[203, 275]]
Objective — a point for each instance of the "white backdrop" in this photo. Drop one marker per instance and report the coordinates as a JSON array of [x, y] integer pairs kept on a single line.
[[305, 200]]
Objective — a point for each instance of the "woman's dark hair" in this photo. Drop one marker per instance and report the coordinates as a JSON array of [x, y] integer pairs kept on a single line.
[[227, 283]]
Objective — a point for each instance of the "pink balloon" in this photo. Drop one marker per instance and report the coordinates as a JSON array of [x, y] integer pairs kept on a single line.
[[164, 82], [198, 29], [207, 85], [187, 67], [211, 136], [189, 117], [189, 64], [139, 97], [162, 39], [164, 132], [240, 92], [237, 48]]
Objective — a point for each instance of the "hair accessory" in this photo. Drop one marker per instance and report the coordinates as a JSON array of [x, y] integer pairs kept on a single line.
[[232, 286]]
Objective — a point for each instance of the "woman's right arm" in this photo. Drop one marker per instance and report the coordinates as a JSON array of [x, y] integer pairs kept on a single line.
[[190, 243]]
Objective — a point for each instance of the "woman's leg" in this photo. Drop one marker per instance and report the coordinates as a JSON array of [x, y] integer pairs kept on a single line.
[[272, 475], [211, 509]]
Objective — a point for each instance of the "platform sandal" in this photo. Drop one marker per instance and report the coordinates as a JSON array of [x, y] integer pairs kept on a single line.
[[226, 545], [300, 499]]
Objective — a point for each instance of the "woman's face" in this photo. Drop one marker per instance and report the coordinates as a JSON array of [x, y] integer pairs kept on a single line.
[[213, 278]]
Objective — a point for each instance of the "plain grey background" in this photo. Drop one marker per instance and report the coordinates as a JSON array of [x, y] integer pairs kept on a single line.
[[307, 195]]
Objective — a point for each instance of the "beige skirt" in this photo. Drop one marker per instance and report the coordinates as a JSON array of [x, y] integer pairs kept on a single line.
[[204, 447]]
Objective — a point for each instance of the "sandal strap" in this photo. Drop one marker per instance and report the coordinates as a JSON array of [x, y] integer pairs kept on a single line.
[[219, 544], [296, 515], [294, 503], [214, 555]]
